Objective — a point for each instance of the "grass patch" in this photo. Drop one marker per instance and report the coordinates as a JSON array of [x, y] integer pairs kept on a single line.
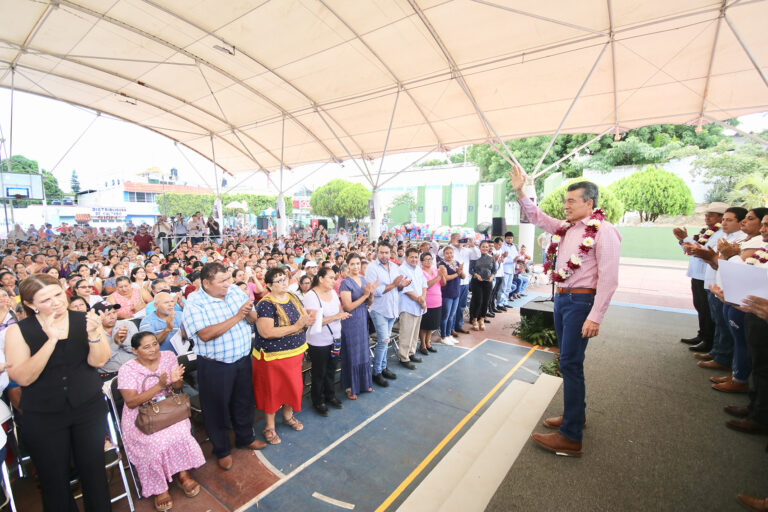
[[650, 242]]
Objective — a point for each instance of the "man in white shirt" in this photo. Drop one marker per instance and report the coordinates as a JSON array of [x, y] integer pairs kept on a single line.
[[499, 255], [509, 262]]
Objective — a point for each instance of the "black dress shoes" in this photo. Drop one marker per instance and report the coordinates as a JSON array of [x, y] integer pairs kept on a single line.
[[432, 349], [321, 409], [691, 341], [492, 315], [408, 365], [701, 347], [424, 351], [415, 359], [380, 380], [336, 403], [388, 374]]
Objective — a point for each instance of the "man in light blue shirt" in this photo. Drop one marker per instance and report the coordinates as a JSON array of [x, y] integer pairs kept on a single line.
[[413, 304], [217, 319], [163, 322], [385, 307]]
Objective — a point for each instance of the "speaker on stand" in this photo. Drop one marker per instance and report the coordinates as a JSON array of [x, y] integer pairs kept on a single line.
[[498, 226]]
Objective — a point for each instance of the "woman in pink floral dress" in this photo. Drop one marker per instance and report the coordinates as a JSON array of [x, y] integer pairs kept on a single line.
[[159, 456]]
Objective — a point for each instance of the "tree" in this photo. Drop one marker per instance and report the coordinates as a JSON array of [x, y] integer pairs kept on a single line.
[[723, 166], [750, 192], [352, 201], [24, 165], [74, 183], [552, 204], [188, 204], [653, 192], [405, 199], [328, 200]]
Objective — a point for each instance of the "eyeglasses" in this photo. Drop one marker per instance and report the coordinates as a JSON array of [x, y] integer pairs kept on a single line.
[[280, 280]]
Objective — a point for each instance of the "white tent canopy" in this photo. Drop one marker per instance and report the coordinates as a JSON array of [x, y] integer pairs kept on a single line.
[[260, 85]]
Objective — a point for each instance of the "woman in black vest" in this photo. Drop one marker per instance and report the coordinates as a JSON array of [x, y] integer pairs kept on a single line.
[[53, 355]]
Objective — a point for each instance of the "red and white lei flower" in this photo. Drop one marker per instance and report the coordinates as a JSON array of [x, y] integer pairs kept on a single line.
[[586, 245], [704, 235], [758, 258]]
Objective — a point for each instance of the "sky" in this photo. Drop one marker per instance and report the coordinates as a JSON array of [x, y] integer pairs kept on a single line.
[[46, 130]]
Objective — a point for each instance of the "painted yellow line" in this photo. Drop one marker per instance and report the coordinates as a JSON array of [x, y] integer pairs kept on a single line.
[[423, 464]]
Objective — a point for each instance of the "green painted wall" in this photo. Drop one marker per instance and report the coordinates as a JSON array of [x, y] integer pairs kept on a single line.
[[499, 200], [399, 215], [421, 204], [472, 201], [445, 218]]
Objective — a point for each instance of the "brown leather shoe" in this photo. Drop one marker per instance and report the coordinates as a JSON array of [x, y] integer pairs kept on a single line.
[[720, 380], [225, 463], [454, 333], [558, 444], [712, 365], [752, 503], [702, 356], [747, 425], [735, 410], [462, 331], [731, 387], [257, 444], [556, 421]]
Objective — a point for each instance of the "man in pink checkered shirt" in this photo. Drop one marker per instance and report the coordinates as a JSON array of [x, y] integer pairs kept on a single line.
[[581, 300]]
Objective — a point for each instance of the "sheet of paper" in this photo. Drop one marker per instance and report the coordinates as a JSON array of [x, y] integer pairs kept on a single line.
[[740, 280], [180, 345]]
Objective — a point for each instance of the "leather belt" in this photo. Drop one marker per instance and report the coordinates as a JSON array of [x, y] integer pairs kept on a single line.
[[590, 291]]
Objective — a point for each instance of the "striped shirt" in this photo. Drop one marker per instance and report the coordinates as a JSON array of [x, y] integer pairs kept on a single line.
[[203, 311]]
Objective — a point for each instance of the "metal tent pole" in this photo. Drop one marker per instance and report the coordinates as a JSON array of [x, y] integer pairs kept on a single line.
[[746, 49], [217, 210]]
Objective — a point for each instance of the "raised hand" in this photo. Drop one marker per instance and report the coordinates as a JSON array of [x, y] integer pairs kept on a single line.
[[517, 177], [177, 372], [169, 320], [398, 280], [120, 334], [49, 330], [343, 315], [162, 380], [727, 250], [680, 233], [246, 308], [93, 324]]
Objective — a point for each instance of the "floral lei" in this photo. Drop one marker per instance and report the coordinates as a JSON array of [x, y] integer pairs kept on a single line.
[[703, 236], [574, 262], [759, 257]]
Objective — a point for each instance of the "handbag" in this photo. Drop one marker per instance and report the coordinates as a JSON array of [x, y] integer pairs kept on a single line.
[[155, 415]]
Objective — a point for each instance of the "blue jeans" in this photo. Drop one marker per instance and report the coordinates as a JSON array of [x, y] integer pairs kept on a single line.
[[742, 365], [722, 347], [462, 305], [521, 283], [449, 316], [505, 290], [383, 326], [571, 310]]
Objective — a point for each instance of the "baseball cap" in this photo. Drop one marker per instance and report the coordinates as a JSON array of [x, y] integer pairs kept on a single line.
[[103, 306]]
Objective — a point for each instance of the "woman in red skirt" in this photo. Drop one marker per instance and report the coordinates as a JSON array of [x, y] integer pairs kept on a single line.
[[279, 350]]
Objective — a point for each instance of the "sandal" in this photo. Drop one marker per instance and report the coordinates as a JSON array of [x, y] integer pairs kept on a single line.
[[165, 504], [190, 487], [351, 395], [271, 436], [294, 423]]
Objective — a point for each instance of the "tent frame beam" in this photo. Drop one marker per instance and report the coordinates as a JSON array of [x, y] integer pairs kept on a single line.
[[718, 25], [389, 70], [746, 49], [386, 141], [577, 150], [188, 54], [365, 171], [738, 130], [612, 35], [541, 18], [123, 95], [28, 40], [536, 172], [456, 73], [422, 157]]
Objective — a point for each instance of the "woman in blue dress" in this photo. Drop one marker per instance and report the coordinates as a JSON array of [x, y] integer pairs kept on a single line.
[[355, 295]]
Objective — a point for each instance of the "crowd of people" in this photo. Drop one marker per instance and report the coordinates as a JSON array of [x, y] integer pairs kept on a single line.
[[731, 336], [82, 306]]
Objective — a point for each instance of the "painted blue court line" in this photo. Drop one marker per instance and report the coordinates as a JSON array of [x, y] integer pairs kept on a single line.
[[656, 308]]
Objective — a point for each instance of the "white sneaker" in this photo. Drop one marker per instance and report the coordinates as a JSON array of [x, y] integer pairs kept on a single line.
[[447, 340], [454, 341]]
